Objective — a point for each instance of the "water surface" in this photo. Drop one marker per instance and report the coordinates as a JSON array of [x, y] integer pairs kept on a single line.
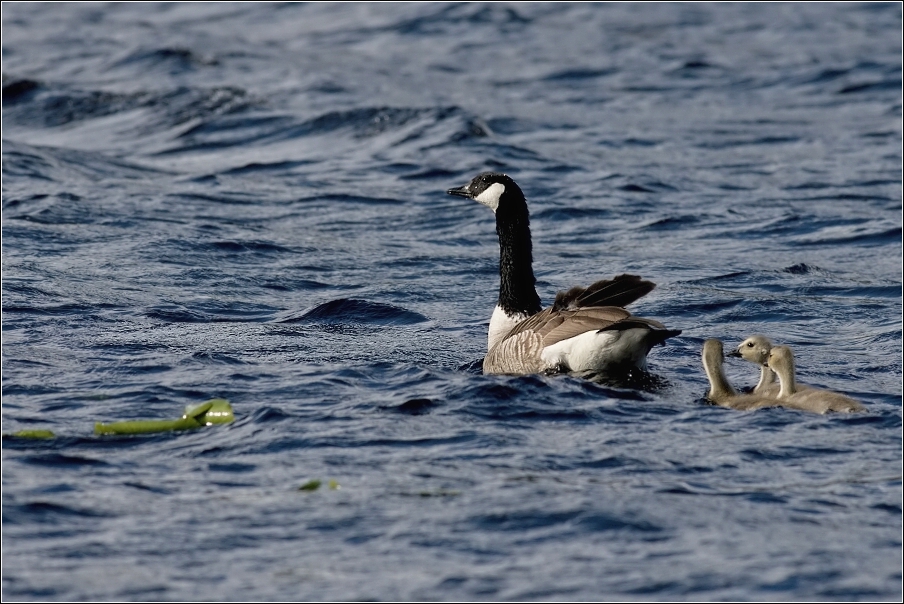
[[247, 201]]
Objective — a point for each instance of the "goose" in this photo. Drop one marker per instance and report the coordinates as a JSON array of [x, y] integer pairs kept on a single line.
[[756, 350], [720, 390], [781, 361], [585, 330]]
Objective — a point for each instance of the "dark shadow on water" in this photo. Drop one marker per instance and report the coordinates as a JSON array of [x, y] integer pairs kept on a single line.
[[631, 379], [415, 406], [351, 311]]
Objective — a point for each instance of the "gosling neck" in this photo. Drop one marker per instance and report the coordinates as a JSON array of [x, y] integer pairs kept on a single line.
[[786, 378], [719, 388], [767, 378]]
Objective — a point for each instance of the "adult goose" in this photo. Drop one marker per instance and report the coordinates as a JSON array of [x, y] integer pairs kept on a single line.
[[755, 349], [720, 390], [585, 330], [781, 361]]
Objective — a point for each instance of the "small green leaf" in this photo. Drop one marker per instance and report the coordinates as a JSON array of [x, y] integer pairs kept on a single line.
[[39, 434], [193, 411], [220, 412], [311, 485]]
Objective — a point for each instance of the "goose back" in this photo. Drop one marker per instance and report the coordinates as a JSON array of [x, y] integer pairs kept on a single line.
[[584, 330], [545, 341]]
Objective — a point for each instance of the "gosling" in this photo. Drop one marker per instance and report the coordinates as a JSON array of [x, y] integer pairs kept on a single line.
[[781, 361], [755, 349], [720, 391]]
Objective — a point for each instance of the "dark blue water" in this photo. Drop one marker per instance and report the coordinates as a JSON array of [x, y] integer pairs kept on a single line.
[[248, 202]]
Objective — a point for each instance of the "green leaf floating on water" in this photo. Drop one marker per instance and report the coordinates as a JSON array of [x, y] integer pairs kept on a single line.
[[38, 434], [214, 411], [313, 485]]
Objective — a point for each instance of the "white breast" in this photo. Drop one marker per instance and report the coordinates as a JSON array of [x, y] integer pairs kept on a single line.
[[500, 324]]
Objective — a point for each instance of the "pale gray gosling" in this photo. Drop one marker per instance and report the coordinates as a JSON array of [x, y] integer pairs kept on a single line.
[[781, 361], [585, 330], [720, 391], [755, 349]]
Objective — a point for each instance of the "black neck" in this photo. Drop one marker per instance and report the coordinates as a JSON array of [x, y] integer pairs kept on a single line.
[[516, 274]]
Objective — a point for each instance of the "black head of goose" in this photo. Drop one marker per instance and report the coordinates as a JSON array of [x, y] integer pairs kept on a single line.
[[585, 330]]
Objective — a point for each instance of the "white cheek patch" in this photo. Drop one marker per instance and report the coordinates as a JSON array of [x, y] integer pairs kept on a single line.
[[490, 197]]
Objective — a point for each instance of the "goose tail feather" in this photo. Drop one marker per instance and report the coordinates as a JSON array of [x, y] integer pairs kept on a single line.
[[620, 291]]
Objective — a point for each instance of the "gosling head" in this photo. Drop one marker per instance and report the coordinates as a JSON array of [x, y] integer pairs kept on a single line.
[[754, 349], [781, 360], [712, 352]]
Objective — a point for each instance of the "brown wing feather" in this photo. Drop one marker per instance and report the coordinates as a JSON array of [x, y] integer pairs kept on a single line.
[[620, 291], [633, 321], [556, 325], [532, 322], [575, 322]]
